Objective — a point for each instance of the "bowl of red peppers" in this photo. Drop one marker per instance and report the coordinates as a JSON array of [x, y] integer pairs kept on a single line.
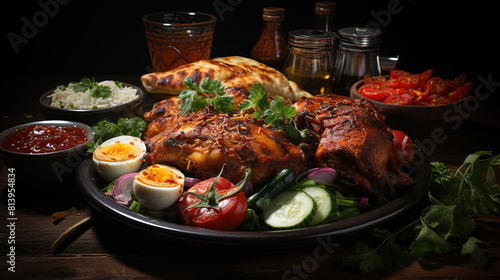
[[413, 96]]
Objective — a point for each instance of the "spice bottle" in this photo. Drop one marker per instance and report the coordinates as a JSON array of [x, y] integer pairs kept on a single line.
[[324, 16], [311, 60], [357, 56], [270, 48]]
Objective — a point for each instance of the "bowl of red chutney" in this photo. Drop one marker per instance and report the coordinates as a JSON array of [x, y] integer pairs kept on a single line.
[[45, 152]]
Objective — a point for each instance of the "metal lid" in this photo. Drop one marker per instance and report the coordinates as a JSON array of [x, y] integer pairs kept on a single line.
[[360, 36], [311, 39]]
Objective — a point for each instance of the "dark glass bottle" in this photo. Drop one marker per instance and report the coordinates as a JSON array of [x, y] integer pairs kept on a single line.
[[324, 16], [271, 47]]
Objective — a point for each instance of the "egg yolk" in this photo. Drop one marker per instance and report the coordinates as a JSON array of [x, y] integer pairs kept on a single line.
[[156, 176], [117, 152]]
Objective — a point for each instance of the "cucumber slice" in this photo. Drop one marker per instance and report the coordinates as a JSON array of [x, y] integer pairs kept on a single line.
[[290, 209], [326, 203], [283, 181]]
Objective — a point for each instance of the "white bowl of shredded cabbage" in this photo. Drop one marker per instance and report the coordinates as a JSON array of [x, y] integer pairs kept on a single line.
[[89, 101]]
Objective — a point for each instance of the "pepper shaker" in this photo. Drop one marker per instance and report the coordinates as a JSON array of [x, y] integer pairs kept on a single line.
[[357, 56]]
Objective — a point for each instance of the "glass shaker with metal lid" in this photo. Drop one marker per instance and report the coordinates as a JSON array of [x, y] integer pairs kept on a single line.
[[357, 56], [311, 60]]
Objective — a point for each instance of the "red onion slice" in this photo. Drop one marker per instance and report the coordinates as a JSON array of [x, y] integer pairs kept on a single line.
[[324, 175], [189, 182], [249, 189], [363, 203], [303, 174], [122, 190]]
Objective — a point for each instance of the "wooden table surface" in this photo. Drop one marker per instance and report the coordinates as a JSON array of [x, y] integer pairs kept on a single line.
[[107, 249]]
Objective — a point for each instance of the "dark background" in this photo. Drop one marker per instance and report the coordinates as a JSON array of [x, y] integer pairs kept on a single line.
[[106, 37]]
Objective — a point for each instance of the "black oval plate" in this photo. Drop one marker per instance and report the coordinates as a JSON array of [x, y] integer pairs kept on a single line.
[[91, 186]]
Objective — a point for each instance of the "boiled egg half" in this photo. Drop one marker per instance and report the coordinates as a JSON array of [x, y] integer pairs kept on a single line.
[[118, 156], [158, 186]]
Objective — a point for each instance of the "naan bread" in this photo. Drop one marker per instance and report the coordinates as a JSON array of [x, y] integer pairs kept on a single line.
[[232, 71]]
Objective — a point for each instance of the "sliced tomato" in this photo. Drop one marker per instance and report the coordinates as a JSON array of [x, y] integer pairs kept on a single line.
[[462, 91], [411, 93], [392, 83], [457, 82], [374, 79], [437, 85], [374, 92], [395, 73], [425, 76], [409, 81], [400, 90], [399, 99], [429, 99], [443, 100], [421, 91], [404, 151], [229, 212]]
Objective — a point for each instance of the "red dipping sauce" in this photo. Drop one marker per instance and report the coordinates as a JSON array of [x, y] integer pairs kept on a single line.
[[40, 139]]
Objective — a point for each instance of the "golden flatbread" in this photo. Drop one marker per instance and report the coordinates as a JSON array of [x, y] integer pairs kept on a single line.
[[232, 71]]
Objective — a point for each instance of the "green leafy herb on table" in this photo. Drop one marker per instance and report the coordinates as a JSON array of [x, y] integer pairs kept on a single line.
[[105, 130], [446, 224]]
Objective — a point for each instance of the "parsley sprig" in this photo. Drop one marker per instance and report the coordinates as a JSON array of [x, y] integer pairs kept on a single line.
[[208, 92], [277, 112], [105, 130], [96, 90], [446, 224], [212, 92]]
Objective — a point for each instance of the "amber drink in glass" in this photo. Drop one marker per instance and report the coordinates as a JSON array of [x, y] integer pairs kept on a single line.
[[177, 38]]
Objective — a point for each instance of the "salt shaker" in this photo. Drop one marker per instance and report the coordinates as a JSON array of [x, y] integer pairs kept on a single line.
[[357, 56], [311, 60]]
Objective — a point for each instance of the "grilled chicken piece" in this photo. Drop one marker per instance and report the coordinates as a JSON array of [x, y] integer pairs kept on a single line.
[[351, 136], [171, 107], [204, 142]]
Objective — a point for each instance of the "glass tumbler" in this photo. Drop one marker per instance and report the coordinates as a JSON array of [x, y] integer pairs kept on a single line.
[[177, 38]]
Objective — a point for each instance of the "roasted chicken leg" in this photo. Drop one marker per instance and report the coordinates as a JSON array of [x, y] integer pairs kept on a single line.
[[350, 135]]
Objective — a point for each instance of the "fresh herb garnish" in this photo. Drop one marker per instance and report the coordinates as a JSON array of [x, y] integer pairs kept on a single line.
[[105, 130], [84, 84], [208, 92], [446, 224], [277, 112], [100, 91], [96, 90], [259, 101]]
